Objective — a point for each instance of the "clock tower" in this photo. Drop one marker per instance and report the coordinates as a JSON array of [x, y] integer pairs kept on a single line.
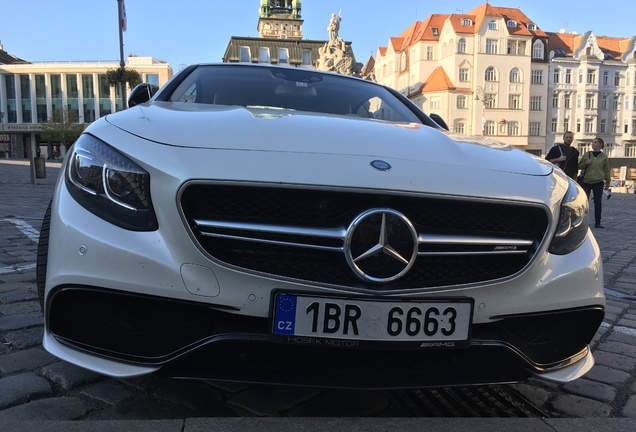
[[280, 19]]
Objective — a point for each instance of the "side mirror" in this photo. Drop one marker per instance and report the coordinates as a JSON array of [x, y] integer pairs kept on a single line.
[[141, 93], [439, 120]]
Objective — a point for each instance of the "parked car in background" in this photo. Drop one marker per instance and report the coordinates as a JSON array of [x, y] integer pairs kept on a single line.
[[278, 225]]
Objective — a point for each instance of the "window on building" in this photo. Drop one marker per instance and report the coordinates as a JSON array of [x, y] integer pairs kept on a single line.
[[461, 102], [430, 53], [461, 45], [514, 101], [435, 31], [606, 78], [490, 99], [537, 76], [307, 58], [531, 26], [578, 100], [56, 91], [554, 125], [568, 76], [535, 103], [602, 125], [492, 46], [464, 75], [630, 150], [263, 55], [625, 129], [516, 47], [567, 98], [246, 56], [566, 124], [555, 75], [513, 128], [603, 101], [460, 127], [578, 125], [466, 22], [283, 56], [537, 50], [511, 23], [616, 102], [491, 74], [435, 102], [25, 94], [88, 93], [40, 99], [105, 104], [614, 126], [492, 25], [589, 125], [590, 101], [72, 92], [515, 75], [617, 79], [489, 128], [555, 100], [534, 129], [591, 76]]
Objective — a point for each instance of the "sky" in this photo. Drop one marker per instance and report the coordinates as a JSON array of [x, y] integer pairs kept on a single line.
[[191, 31]]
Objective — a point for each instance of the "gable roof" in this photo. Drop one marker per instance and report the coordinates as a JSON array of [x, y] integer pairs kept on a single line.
[[565, 44], [438, 81]]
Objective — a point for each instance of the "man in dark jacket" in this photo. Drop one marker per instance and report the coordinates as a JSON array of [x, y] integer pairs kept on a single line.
[[565, 156]]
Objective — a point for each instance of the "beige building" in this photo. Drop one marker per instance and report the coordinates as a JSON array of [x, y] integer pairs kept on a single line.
[[484, 72], [29, 92], [592, 92]]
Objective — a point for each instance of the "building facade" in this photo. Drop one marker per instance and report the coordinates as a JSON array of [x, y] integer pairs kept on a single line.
[[30, 92], [592, 92], [494, 72]]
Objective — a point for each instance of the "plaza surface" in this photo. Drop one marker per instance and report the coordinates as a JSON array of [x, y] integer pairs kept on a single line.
[[40, 393]]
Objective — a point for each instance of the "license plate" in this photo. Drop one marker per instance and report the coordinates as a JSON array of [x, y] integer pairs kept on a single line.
[[372, 320]]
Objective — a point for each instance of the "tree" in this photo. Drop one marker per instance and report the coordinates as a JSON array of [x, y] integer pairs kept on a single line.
[[130, 76], [62, 127]]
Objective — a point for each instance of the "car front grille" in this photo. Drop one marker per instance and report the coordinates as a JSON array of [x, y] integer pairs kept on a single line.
[[298, 233]]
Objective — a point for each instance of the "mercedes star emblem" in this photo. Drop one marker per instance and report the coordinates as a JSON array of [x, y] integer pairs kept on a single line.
[[381, 245]]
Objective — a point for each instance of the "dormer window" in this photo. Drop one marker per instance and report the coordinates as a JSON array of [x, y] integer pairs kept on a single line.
[[512, 23], [532, 26], [466, 22], [435, 31], [492, 25]]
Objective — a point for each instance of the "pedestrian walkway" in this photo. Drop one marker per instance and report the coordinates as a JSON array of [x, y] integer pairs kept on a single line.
[[36, 386]]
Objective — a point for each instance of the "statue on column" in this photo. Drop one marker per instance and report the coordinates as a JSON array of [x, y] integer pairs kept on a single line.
[[334, 27], [336, 55]]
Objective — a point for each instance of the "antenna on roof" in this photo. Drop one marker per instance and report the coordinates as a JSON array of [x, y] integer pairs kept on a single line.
[[565, 24]]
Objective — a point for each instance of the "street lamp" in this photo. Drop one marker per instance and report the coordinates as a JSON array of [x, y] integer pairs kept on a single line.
[[485, 98]]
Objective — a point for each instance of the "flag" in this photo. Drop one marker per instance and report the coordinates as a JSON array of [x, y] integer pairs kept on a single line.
[[122, 14]]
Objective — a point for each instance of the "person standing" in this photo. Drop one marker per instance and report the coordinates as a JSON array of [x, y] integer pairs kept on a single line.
[[565, 156], [595, 176]]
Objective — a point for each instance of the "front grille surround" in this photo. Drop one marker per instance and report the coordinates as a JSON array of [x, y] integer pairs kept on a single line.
[[297, 233]]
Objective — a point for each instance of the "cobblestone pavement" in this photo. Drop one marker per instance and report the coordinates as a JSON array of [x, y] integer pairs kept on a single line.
[[36, 386]]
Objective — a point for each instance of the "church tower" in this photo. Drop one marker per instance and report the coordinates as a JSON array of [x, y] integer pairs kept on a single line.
[[280, 19]]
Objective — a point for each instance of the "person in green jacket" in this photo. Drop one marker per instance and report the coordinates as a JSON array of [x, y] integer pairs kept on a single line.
[[595, 174]]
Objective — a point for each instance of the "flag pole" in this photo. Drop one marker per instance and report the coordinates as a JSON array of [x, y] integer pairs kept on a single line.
[[122, 84]]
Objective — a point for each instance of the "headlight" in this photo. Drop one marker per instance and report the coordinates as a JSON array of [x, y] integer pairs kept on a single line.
[[110, 185], [573, 221]]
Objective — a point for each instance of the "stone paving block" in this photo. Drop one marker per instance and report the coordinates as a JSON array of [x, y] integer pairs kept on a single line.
[[21, 321], [25, 360], [69, 376], [591, 390], [20, 308], [62, 408], [17, 296], [629, 410], [147, 409], [615, 361], [21, 339], [618, 348], [17, 389], [13, 286], [107, 392], [192, 394], [576, 406], [607, 375]]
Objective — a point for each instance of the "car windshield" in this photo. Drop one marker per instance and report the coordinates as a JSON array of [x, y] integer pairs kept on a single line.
[[290, 89]]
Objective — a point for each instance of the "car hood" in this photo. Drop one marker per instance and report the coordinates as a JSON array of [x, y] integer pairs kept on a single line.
[[239, 128]]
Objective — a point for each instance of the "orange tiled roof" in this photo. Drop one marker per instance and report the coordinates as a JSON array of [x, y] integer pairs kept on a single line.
[[438, 81]]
